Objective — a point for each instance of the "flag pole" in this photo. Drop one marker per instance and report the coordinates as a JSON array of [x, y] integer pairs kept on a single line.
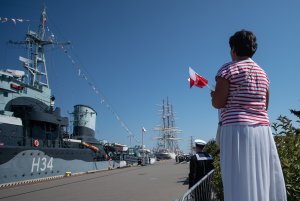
[[142, 145], [209, 87], [143, 154], [142, 138], [130, 136]]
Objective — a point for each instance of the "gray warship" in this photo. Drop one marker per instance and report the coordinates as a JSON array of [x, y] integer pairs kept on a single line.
[[34, 139]]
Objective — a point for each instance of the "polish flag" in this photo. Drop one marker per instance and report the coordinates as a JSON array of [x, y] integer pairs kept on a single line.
[[196, 79]]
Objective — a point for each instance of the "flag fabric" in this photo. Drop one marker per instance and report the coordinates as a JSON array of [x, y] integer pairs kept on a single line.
[[14, 20], [4, 20], [196, 79], [144, 129]]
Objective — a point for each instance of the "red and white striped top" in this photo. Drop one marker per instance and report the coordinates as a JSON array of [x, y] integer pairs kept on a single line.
[[248, 86]]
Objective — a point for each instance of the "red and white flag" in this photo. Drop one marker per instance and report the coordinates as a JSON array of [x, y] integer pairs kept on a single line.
[[144, 129], [196, 79]]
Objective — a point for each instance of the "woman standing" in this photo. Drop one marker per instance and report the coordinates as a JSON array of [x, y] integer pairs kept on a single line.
[[250, 165]]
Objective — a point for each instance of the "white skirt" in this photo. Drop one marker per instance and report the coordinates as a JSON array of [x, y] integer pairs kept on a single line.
[[250, 165]]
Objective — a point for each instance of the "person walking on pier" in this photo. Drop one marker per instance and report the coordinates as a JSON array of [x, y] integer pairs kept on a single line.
[[250, 165], [200, 165]]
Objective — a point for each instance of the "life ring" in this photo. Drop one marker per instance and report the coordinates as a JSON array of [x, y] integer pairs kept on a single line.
[[36, 143]]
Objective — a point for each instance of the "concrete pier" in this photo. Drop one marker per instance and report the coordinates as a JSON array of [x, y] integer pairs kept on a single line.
[[164, 181]]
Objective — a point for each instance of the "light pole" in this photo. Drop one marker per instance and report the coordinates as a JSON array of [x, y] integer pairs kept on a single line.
[[143, 131]]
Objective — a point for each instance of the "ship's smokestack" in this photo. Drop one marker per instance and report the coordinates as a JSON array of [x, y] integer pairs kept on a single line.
[[84, 122]]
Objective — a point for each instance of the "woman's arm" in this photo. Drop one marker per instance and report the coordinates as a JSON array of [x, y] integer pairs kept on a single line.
[[220, 95], [267, 99]]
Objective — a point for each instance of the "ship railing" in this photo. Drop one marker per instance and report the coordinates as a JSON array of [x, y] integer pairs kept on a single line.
[[201, 191], [10, 139]]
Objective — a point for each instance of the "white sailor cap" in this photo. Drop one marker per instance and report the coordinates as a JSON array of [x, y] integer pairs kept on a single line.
[[200, 142]]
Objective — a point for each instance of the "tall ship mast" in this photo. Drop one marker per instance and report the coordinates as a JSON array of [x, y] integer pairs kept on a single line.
[[167, 141]]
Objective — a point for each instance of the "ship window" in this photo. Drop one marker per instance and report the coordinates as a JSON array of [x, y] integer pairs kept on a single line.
[[5, 94]]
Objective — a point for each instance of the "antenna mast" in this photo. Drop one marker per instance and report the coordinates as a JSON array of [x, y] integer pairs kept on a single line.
[[36, 63]]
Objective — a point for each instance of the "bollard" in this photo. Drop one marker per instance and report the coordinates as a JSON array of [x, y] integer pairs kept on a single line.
[[67, 174]]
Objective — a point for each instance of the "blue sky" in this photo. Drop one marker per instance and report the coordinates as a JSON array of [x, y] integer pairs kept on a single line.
[[137, 53]]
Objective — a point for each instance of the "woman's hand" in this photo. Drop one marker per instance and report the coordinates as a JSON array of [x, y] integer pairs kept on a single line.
[[220, 95]]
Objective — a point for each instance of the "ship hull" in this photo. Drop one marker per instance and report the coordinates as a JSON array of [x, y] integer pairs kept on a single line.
[[165, 155], [21, 164]]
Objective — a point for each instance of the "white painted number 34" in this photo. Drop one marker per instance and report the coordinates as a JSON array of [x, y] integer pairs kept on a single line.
[[41, 164]]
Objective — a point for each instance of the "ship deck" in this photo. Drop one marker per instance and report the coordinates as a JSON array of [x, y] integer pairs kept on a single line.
[[164, 180]]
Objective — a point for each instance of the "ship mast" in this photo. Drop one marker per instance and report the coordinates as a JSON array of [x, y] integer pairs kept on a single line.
[[42, 24], [35, 65], [168, 132]]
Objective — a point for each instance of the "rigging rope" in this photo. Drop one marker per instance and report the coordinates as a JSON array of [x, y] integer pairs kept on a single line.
[[84, 75]]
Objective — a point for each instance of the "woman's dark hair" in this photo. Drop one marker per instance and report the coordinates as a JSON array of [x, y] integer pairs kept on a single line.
[[244, 43]]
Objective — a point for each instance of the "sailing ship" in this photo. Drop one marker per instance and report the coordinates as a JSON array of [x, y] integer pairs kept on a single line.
[[167, 141], [34, 139]]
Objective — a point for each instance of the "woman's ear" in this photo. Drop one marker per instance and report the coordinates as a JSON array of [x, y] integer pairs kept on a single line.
[[233, 54]]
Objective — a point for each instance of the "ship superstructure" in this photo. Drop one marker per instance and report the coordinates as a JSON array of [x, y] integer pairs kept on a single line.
[[25, 97]]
